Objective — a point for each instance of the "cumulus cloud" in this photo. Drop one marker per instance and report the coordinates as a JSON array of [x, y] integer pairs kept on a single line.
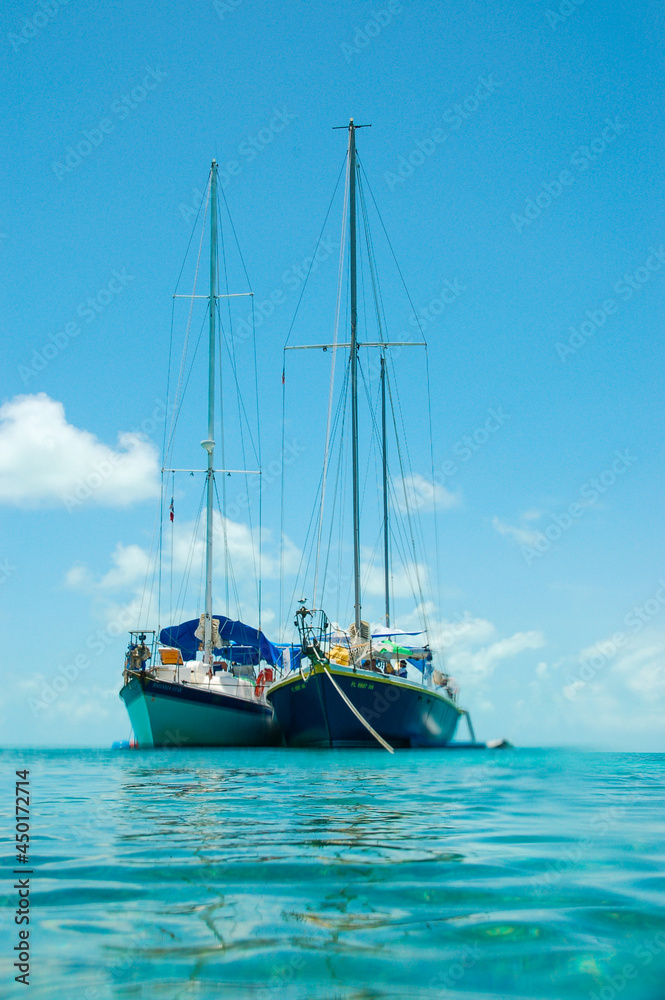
[[476, 665], [416, 492], [472, 647], [126, 592], [609, 692], [46, 461], [405, 583], [520, 533]]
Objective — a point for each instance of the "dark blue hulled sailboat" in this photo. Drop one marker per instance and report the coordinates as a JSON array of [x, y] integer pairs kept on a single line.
[[361, 689]]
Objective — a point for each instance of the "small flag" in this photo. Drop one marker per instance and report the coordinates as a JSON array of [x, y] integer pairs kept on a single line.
[[283, 376], [171, 511]]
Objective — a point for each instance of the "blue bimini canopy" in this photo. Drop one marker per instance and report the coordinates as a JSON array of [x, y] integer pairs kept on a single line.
[[247, 645]]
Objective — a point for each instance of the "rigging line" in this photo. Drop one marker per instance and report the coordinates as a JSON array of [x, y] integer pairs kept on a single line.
[[168, 380], [399, 270], [234, 586], [406, 503], [235, 236], [172, 523], [404, 543], [240, 404], [302, 292], [180, 602], [161, 547], [191, 235], [234, 371], [304, 549], [151, 566], [178, 393], [370, 565], [244, 457], [343, 494], [341, 412], [434, 503], [333, 360], [417, 516], [281, 503], [221, 385], [241, 412], [176, 414], [378, 304], [258, 438], [369, 457], [222, 446]]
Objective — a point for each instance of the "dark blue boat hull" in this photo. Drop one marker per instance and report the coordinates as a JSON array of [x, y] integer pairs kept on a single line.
[[311, 713]]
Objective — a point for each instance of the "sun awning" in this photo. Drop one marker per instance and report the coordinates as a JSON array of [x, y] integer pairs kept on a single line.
[[239, 642]]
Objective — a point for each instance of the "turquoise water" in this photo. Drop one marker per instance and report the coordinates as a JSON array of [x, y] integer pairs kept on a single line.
[[339, 875]]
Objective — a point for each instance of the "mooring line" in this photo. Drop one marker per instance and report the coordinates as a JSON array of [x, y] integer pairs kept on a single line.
[[355, 711]]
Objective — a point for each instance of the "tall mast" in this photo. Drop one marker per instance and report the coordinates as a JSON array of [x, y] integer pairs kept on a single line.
[[209, 444], [384, 457], [354, 375]]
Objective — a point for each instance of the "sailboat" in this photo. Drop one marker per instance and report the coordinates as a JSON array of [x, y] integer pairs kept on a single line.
[[175, 697], [359, 688]]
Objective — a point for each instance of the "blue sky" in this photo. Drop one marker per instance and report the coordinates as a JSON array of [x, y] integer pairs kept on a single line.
[[516, 156]]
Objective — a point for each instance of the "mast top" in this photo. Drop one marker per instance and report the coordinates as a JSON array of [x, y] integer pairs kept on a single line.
[[351, 125]]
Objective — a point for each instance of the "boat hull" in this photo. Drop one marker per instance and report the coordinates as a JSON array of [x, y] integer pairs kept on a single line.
[[311, 713], [166, 714]]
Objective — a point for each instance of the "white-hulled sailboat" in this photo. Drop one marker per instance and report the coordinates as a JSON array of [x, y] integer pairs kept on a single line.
[[174, 696], [360, 689]]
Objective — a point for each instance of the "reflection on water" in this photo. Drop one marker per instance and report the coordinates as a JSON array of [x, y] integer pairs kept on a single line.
[[349, 874]]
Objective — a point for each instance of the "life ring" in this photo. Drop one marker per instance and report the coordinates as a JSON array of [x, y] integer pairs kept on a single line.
[[265, 677]]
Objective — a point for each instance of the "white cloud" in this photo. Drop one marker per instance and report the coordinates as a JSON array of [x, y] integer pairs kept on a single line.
[[242, 544], [130, 565], [607, 693], [415, 492], [476, 665], [404, 582], [522, 535], [125, 595], [471, 646], [45, 461]]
